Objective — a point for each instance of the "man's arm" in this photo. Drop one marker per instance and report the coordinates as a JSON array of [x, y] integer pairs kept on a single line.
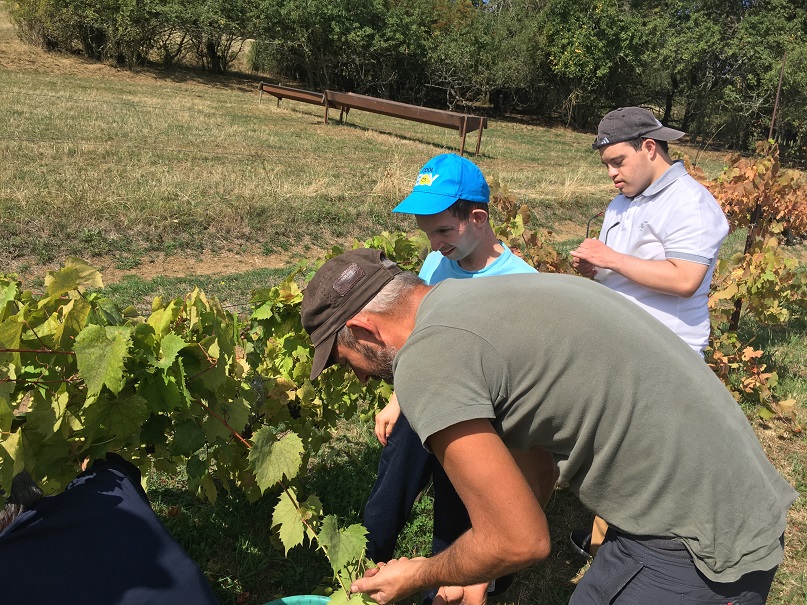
[[671, 276], [508, 527], [386, 419]]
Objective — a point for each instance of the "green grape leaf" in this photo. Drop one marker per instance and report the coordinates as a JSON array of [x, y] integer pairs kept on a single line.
[[75, 275], [162, 318], [343, 546], [274, 458], [74, 318], [196, 467], [235, 413], [10, 334], [11, 457], [155, 430], [208, 489], [170, 346], [160, 392], [292, 529], [8, 292], [340, 597], [188, 438], [100, 355], [108, 312], [50, 414], [120, 418]]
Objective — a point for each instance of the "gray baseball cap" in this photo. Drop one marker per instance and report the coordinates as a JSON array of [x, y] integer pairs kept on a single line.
[[627, 123]]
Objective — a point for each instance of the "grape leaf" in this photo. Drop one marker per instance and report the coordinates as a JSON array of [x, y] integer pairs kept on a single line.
[[343, 546], [120, 418], [49, 415], [11, 457], [155, 430], [292, 529], [340, 597], [162, 318], [100, 355], [74, 314], [170, 346], [196, 467], [75, 275], [8, 292], [10, 333], [273, 459], [188, 438]]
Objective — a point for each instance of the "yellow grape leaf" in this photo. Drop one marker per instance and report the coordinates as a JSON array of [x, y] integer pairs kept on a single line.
[[75, 275]]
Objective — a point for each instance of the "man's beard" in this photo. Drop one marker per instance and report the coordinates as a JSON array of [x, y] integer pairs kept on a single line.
[[379, 360]]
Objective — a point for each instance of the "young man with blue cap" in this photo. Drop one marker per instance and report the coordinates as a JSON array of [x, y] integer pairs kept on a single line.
[[450, 204]]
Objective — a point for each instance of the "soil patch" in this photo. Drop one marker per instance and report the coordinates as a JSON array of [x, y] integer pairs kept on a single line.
[[162, 265]]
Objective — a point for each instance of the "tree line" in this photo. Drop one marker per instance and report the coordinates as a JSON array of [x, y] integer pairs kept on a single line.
[[710, 67]]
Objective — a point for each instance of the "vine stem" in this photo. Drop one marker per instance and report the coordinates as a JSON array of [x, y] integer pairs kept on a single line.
[[35, 334], [51, 351], [296, 504], [224, 422]]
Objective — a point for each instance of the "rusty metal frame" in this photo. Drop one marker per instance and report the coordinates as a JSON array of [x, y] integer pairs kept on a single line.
[[463, 123], [295, 94], [345, 101]]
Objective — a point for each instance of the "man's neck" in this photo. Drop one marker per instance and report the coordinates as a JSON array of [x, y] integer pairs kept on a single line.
[[488, 250]]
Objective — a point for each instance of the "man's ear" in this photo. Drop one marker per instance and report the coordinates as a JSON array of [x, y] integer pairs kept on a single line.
[[650, 147], [364, 327], [479, 217]]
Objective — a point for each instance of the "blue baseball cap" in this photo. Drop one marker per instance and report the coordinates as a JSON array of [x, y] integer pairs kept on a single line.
[[445, 179]]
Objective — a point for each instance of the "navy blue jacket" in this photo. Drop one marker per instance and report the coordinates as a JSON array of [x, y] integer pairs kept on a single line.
[[97, 542]]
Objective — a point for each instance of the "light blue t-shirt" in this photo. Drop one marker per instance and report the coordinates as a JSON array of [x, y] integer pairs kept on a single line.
[[437, 267]]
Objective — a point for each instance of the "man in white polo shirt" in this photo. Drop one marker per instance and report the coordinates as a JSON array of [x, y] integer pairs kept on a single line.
[[660, 236], [659, 239]]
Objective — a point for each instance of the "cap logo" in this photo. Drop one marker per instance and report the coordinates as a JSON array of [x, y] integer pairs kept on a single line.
[[604, 141], [349, 278], [426, 179]]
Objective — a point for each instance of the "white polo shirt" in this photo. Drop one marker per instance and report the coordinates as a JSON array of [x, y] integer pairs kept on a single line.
[[675, 217]]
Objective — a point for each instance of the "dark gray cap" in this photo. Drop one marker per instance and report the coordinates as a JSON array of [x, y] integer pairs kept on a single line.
[[338, 291], [628, 123]]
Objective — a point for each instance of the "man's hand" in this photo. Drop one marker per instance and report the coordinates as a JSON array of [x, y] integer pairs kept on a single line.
[[590, 255], [668, 276], [476, 594], [389, 582], [386, 419]]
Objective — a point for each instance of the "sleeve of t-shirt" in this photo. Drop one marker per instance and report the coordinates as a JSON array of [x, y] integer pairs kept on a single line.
[[444, 376], [697, 229]]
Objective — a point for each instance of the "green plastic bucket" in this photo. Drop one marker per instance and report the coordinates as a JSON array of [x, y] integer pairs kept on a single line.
[[301, 599]]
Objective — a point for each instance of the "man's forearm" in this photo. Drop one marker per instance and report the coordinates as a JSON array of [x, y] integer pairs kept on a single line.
[[669, 276]]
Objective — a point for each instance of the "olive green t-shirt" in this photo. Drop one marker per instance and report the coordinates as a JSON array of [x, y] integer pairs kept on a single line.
[[641, 428]]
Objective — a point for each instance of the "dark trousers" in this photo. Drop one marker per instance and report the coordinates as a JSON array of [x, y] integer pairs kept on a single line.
[[636, 570], [403, 472]]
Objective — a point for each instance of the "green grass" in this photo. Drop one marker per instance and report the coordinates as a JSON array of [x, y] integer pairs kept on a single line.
[[232, 290]]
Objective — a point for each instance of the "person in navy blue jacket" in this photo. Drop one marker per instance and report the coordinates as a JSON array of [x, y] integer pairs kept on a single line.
[[99, 541]]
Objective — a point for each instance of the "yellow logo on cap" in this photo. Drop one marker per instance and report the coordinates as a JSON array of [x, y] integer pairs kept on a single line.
[[426, 179]]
